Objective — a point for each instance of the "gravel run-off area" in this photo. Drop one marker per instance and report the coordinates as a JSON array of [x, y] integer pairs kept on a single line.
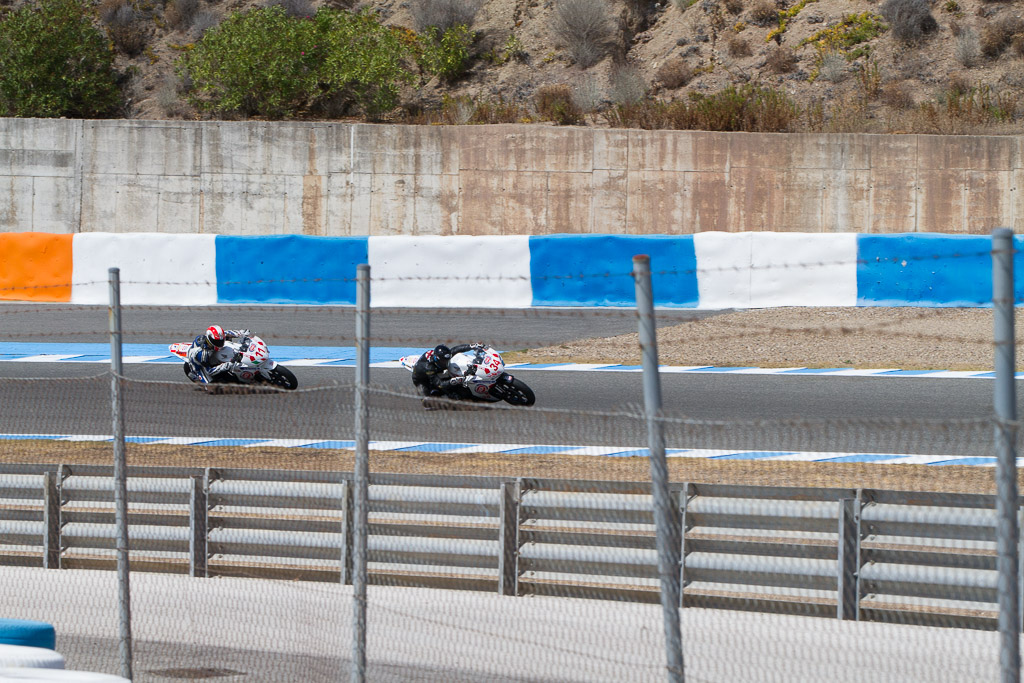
[[903, 338]]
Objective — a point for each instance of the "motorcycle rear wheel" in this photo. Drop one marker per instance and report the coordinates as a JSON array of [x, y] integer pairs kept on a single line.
[[518, 393], [284, 378]]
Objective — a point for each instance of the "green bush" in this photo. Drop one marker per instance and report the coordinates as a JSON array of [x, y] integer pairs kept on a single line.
[[446, 55], [266, 63], [257, 63], [55, 62], [364, 61]]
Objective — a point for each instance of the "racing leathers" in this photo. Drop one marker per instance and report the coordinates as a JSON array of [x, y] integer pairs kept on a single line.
[[432, 378], [213, 360]]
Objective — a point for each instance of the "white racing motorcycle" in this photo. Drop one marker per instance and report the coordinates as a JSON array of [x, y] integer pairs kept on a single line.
[[487, 379], [255, 366]]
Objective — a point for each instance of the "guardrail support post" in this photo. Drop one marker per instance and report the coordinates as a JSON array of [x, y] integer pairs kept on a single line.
[[199, 528], [688, 491], [1020, 565], [1005, 401], [848, 565], [346, 533], [508, 539], [51, 520]]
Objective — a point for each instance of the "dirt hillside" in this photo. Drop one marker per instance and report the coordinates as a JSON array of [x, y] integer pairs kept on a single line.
[[945, 66]]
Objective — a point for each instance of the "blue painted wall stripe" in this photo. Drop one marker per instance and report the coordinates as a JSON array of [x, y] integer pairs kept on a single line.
[[928, 270], [557, 261], [296, 269]]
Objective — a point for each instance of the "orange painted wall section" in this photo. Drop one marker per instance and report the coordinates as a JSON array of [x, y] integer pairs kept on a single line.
[[35, 266]]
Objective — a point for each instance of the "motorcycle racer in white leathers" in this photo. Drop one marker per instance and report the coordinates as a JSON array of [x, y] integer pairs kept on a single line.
[[203, 352]]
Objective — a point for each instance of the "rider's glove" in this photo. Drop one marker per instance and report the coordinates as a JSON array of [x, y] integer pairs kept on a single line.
[[456, 381], [224, 367], [244, 333]]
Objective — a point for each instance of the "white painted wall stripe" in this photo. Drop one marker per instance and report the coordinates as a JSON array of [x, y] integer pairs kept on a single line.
[[760, 270], [156, 268], [491, 271]]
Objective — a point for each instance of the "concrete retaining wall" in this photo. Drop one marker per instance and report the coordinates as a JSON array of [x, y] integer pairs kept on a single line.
[[339, 179], [709, 270]]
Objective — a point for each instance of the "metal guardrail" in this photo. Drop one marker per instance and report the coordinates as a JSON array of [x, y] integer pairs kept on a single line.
[[908, 557]]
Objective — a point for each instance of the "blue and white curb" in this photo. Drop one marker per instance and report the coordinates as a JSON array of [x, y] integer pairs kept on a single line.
[[529, 449], [387, 357]]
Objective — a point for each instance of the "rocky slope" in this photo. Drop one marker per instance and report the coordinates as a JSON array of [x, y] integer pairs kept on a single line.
[[951, 66]]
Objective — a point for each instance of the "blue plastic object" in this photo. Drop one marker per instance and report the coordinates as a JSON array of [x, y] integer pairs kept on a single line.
[[28, 633]]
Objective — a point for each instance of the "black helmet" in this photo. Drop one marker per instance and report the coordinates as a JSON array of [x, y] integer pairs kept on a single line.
[[440, 357]]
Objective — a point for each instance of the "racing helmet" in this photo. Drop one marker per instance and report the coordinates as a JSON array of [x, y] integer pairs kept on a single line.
[[215, 336], [440, 357]]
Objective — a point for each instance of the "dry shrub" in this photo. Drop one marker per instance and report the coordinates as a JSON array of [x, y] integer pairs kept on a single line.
[[125, 26], [833, 67], [955, 28], [113, 11], [203, 21], [967, 49], [733, 6], [457, 111], [626, 84], [297, 9], [168, 96], [499, 111], [896, 96], [1017, 45], [749, 108], [764, 13], [588, 94], [998, 35], [739, 47], [130, 39], [910, 20], [781, 60], [556, 103], [958, 84], [442, 14], [179, 13], [585, 27], [674, 73]]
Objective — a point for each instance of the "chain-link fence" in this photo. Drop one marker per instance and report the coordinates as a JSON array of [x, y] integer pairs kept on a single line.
[[829, 527]]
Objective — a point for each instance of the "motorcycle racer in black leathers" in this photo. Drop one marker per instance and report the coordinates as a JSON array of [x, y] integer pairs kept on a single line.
[[430, 374]]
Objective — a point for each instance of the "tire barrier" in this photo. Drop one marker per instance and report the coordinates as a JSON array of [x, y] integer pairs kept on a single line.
[[22, 656], [27, 633], [710, 270]]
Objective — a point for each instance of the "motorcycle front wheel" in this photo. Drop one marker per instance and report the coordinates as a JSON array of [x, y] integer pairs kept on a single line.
[[283, 377], [518, 393]]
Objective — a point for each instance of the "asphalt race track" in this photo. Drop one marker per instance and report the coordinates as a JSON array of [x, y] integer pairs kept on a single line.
[[873, 410]]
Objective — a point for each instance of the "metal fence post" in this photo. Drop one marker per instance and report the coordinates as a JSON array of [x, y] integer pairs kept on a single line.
[[199, 528], [361, 475], [1005, 401], [848, 565], [667, 529], [120, 477], [508, 539], [51, 521]]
